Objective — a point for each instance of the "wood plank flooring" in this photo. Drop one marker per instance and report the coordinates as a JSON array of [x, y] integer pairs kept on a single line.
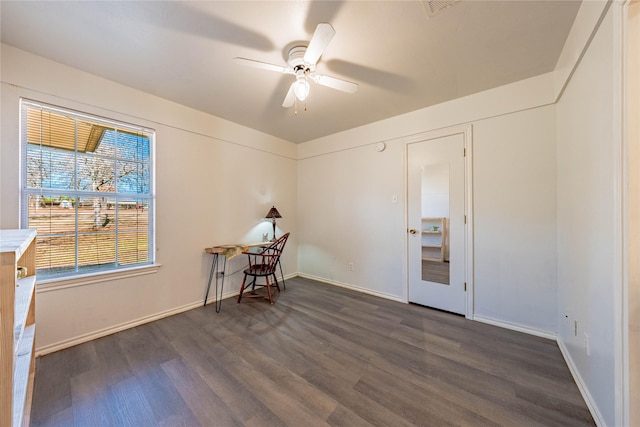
[[435, 271], [321, 355]]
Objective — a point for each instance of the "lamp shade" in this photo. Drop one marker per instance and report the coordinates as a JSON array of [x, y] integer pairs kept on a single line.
[[273, 213]]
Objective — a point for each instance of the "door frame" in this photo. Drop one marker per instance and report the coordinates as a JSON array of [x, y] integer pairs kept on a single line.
[[466, 131]]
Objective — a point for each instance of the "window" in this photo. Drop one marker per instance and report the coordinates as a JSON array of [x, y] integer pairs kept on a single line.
[[87, 187]]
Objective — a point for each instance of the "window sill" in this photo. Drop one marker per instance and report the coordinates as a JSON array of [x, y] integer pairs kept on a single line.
[[90, 279]]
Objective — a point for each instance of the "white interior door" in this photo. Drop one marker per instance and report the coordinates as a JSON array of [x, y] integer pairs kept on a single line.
[[436, 219]]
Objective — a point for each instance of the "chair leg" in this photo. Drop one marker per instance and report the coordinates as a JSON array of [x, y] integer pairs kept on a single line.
[[269, 289], [275, 280], [242, 288]]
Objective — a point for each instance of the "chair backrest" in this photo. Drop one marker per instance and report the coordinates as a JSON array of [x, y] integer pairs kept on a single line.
[[278, 246], [270, 255], [276, 249]]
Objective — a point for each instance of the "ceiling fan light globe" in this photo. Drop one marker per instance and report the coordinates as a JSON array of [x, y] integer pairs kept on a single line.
[[301, 89]]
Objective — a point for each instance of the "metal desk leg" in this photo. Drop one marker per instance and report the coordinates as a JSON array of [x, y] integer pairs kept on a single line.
[[284, 285], [214, 271], [214, 268]]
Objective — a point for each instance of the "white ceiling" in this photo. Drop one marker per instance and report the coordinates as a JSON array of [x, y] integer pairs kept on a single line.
[[402, 59]]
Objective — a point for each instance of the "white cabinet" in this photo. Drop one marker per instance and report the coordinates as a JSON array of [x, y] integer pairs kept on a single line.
[[434, 239], [17, 326]]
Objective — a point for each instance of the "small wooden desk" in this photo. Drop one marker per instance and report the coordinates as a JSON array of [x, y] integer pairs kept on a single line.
[[228, 252]]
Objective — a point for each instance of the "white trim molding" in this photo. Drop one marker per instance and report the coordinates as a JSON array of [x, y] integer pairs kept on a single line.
[[92, 278], [352, 287], [516, 327], [582, 387], [61, 345], [466, 130]]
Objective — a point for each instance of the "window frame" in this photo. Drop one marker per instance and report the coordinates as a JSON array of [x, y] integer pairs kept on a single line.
[[79, 273]]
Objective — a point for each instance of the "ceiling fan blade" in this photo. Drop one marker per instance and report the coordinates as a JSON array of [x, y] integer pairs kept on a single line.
[[263, 65], [290, 98], [321, 38], [335, 83]]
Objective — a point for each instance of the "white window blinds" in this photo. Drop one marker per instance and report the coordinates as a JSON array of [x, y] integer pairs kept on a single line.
[[87, 187]]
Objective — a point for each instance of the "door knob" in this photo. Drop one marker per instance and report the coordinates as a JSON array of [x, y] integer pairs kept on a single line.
[[413, 231]]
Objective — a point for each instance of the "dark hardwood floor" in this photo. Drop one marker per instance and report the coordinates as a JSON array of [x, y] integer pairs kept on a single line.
[[321, 355]]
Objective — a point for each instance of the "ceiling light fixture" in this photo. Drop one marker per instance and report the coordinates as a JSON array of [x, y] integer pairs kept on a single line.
[[301, 62], [302, 87]]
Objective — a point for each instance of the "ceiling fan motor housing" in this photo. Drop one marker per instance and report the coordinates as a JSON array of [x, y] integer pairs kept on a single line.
[[296, 60]]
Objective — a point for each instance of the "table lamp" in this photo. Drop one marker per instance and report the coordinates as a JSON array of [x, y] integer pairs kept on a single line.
[[273, 214]]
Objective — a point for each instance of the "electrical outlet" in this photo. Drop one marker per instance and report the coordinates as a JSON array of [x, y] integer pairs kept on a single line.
[[394, 198], [350, 266]]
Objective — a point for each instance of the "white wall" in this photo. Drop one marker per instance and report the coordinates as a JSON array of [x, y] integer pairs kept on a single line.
[[632, 117], [515, 219], [587, 216], [211, 189], [349, 215], [346, 203]]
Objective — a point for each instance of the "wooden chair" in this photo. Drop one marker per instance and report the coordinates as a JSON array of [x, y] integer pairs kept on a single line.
[[263, 264]]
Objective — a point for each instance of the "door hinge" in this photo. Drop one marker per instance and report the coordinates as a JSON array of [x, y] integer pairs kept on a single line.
[[465, 219], [465, 286], [464, 152]]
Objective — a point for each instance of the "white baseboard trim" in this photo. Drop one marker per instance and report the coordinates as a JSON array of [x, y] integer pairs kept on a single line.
[[516, 327], [584, 391], [61, 345], [352, 287]]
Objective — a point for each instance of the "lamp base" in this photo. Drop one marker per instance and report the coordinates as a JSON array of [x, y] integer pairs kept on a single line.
[[274, 229]]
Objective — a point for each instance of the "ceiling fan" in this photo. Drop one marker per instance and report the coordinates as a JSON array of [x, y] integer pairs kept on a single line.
[[302, 63]]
